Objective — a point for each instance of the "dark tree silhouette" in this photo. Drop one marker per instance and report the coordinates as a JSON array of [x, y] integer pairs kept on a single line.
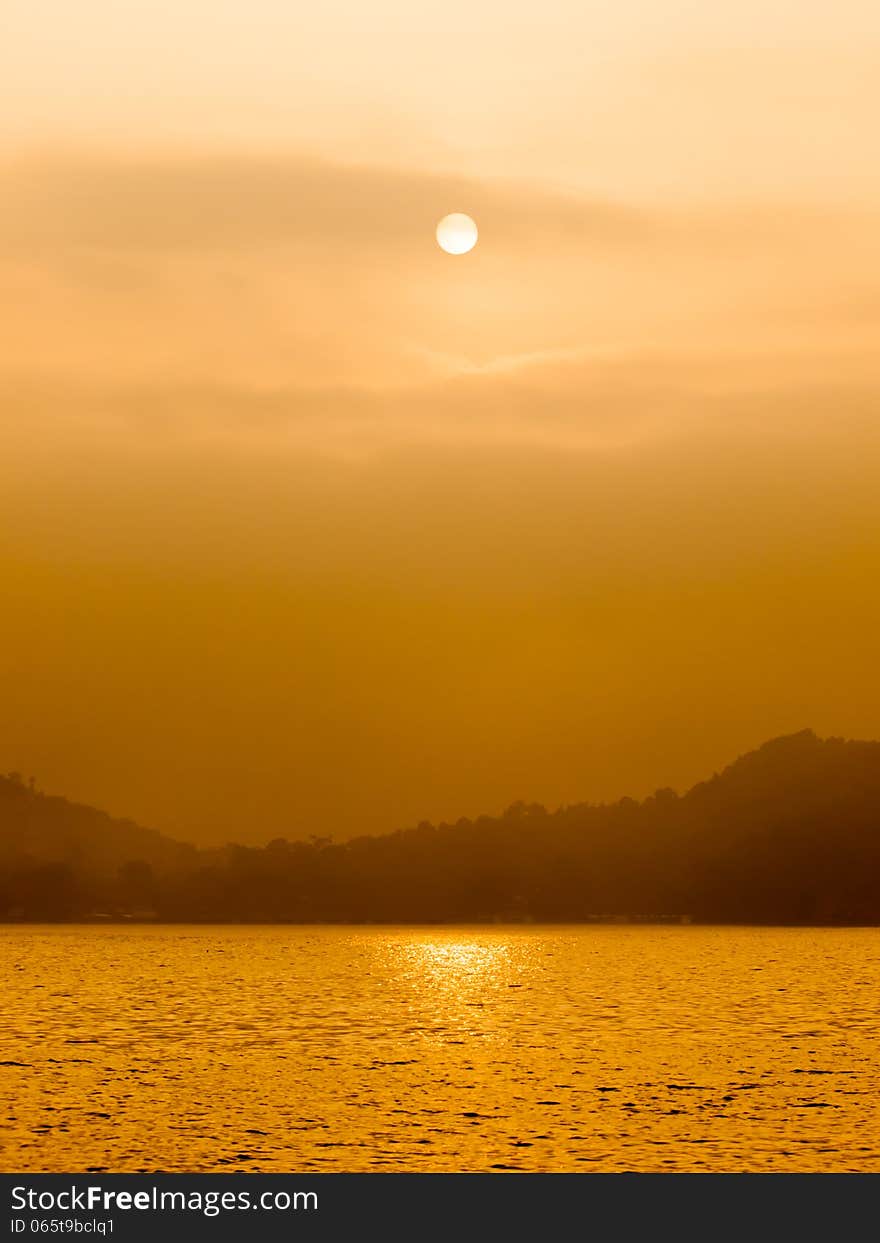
[[789, 833]]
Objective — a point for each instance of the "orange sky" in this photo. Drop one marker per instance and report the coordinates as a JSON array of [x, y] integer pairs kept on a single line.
[[305, 526]]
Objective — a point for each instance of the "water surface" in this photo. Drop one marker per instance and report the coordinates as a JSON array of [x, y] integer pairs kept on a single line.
[[415, 1049]]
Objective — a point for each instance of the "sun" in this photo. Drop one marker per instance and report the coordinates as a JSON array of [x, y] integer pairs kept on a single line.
[[457, 234]]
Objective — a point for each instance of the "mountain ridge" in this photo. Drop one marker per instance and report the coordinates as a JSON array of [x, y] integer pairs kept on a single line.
[[788, 832]]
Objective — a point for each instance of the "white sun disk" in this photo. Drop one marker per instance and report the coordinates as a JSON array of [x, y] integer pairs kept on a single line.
[[457, 234]]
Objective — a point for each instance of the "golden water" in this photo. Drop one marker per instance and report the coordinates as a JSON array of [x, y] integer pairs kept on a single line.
[[416, 1049]]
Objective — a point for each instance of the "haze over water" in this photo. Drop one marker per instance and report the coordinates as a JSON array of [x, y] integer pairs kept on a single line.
[[429, 1049]]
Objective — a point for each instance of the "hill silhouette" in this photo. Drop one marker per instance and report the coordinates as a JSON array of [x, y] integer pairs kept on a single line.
[[789, 833]]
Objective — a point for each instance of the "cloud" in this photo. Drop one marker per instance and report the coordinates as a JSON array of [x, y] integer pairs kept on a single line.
[[230, 202], [554, 403], [290, 274]]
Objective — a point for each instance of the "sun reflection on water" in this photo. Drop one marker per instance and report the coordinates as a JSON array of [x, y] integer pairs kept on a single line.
[[454, 983], [456, 963]]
